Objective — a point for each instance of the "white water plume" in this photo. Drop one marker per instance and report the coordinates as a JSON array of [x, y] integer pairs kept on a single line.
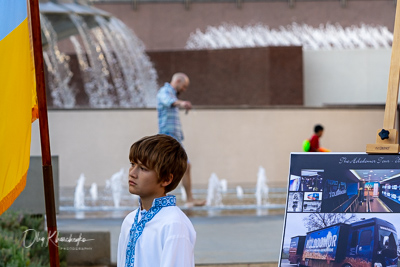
[[79, 196], [214, 191], [113, 68], [239, 192], [262, 189], [94, 192], [324, 37], [143, 86], [57, 63], [115, 184], [96, 80]]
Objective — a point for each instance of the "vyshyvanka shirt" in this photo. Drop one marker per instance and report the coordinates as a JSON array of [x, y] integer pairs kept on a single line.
[[166, 240], [168, 116]]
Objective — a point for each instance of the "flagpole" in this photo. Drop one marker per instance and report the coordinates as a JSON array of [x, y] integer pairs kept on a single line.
[[44, 134]]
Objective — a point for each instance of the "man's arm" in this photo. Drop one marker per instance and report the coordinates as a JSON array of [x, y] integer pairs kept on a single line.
[[182, 104]]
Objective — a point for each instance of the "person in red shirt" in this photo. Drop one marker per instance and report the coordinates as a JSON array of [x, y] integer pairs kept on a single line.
[[314, 141]]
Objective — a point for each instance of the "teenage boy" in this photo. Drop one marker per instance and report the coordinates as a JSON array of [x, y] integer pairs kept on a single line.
[[158, 233]]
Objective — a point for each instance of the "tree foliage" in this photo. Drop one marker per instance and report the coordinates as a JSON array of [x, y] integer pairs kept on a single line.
[[317, 221]]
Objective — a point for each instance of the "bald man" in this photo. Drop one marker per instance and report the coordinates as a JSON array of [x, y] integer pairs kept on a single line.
[[169, 122]]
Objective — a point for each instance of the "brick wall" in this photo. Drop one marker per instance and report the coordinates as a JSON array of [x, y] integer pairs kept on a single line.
[[246, 76]]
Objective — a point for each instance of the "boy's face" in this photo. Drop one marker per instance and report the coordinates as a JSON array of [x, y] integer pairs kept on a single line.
[[144, 182]]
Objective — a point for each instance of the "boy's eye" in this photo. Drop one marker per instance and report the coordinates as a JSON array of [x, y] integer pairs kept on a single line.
[[143, 168]]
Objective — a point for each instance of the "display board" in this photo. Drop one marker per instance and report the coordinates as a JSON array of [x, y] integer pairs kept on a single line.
[[342, 210]]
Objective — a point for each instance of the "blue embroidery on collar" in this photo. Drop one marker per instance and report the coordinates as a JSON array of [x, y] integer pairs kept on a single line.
[[137, 227]]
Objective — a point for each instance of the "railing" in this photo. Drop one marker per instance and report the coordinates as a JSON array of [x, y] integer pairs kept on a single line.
[[353, 206], [346, 207]]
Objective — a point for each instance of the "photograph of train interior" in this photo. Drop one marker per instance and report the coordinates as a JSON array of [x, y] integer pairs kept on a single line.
[[369, 190]]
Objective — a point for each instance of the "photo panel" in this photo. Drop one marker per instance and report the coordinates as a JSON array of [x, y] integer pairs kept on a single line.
[[342, 210], [312, 206], [347, 182], [313, 196], [353, 239], [294, 183], [295, 202], [311, 180]]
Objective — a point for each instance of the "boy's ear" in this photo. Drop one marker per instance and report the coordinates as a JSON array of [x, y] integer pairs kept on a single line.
[[167, 181]]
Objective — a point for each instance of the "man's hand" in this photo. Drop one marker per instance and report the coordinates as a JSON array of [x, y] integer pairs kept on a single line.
[[183, 104], [186, 105]]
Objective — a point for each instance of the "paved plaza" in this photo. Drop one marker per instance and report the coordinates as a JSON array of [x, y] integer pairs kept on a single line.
[[221, 240]]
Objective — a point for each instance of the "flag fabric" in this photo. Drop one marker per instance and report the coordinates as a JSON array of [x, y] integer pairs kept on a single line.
[[18, 104]]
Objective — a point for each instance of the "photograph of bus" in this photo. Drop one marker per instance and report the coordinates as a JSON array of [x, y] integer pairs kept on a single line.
[[364, 241]]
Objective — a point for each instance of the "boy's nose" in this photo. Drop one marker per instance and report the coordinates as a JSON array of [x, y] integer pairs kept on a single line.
[[133, 171]]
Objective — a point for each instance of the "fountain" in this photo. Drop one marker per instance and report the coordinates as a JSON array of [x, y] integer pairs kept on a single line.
[[262, 189], [79, 196], [224, 186], [115, 185], [57, 67], [93, 60], [325, 37], [115, 200], [183, 194], [94, 192], [214, 191], [239, 192]]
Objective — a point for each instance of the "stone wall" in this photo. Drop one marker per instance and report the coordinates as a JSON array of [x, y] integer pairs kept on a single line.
[[232, 142]]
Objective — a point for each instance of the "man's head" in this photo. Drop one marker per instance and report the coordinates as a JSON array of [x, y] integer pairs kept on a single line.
[[163, 154], [318, 130], [180, 81]]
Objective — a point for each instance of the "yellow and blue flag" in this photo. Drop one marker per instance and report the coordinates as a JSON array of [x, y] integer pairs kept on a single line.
[[18, 108]]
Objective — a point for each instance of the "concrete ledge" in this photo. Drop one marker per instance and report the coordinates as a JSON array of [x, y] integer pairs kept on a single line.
[[86, 248], [267, 264]]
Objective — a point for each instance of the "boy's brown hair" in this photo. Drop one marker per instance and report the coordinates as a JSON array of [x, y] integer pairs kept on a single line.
[[163, 154]]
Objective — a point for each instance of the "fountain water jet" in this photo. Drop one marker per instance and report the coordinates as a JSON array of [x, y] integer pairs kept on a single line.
[[115, 185], [94, 192], [93, 59], [324, 37], [183, 194], [224, 186], [214, 191], [239, 192], [79, 196], [115, 199], [96, 78], [58, 68], [262, 189]]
